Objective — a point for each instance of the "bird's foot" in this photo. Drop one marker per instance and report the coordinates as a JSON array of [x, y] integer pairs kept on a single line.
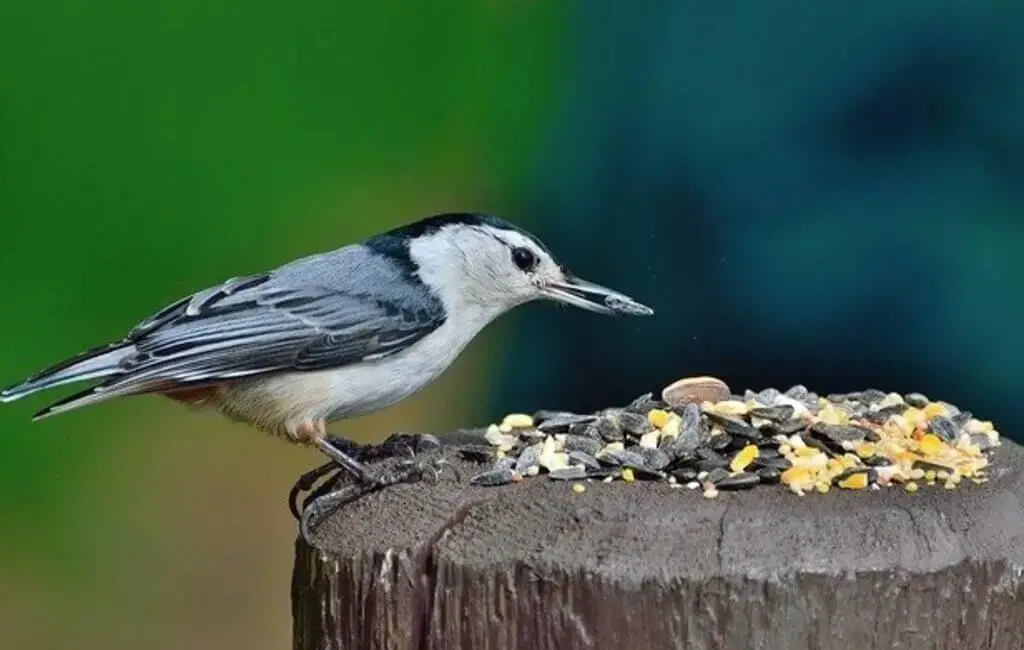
[[412, 471], [328, 498], [347, 461]]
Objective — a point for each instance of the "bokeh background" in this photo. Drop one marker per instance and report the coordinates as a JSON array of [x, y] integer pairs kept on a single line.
[[827, 193]]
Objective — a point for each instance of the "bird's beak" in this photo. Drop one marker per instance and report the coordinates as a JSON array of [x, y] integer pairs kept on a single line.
[[593, 297]]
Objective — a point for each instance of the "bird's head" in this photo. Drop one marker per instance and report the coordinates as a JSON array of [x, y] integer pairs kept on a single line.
[[486, 263]]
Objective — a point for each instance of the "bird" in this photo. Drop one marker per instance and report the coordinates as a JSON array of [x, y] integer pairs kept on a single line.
[[332, 335]]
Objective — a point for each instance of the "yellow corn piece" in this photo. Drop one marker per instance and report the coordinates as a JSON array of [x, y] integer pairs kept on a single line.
[[744, 458], [658, 417], [931, 444], [857, 481]]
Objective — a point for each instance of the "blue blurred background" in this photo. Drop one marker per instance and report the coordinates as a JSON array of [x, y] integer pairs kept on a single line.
[[827, 193]]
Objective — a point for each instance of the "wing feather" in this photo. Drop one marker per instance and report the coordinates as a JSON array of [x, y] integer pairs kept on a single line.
[[253, 326]]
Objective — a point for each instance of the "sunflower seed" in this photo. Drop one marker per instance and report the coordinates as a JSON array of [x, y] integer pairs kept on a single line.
[[654, 458], [570, 473], [609, 430], [493, 478], [716, 474], [581, 443], [585, 459], [564, 422], [944, 428], [694, 390], [740, 481], [773, 413]]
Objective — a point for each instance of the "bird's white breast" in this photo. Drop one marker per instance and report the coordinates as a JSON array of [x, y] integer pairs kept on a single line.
[[280, 402]]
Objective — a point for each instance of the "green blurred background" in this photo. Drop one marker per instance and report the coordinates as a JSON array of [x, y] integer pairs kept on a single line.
[[817, 191], [148, 149]]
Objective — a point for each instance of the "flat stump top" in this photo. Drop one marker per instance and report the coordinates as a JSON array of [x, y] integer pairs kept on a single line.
[[535, 564]]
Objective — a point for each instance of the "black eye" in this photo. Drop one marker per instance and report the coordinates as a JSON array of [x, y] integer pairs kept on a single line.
[[524, 258]]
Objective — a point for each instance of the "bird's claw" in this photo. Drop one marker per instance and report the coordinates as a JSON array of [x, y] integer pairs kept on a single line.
[[412, 471]]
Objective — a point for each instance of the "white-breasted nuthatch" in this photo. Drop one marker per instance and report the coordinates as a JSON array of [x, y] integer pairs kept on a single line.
[[332, 335]]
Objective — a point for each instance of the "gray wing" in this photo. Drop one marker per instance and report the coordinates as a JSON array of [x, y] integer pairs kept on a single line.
[[302, 317]]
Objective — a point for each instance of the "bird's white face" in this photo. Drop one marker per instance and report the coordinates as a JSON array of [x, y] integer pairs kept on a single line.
[[492, 270]]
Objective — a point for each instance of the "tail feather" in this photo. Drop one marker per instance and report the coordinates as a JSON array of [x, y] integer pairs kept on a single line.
[[92, 364]]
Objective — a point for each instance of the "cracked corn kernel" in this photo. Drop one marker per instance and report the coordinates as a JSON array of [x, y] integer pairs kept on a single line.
[[658, 417], [579, 488], [744, 458], [730, 407], [934, 408], [822, 486], [857, 481], [931, 444], [627, 475], [864, 449], [517, 421]]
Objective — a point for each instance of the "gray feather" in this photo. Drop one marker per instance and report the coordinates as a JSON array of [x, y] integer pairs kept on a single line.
[[319, 312]]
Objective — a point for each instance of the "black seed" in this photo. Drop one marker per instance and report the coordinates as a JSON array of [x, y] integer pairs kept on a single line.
[[837, 398], [834, 435], [645, 403], [585, 459], [871, 396], [635, 423], [476, 453], [855, 396], [493, 478], [789, 427], [602, 473], [769, 475], [962, 418], [798, 392], [564, 422], [717, 474], [741, 481], [708, 465], [644, 473], [654, 459], [584, 444], [944, 428], [768, 396], [779, 463], [588, 430], [779, 413], [720, 442], [622, 457], [877, 461], [690, 435], [571, 473], [733, 425], [882, 415], [609, 430], [820, 445], [685, 474], [769, 452], [917, 400], [527, 457]]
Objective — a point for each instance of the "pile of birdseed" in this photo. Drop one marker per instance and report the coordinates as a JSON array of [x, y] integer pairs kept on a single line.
[[699, 435]]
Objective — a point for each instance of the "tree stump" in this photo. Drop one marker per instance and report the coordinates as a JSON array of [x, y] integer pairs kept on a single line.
[[536, 566]]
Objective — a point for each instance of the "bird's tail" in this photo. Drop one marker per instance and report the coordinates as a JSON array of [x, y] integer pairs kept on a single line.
[[92, 364]]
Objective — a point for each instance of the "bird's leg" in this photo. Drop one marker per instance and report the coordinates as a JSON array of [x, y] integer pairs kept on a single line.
[[306, 482], [341, 462]]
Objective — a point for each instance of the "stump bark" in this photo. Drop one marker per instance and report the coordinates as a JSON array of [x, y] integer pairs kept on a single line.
[[536, 566]]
